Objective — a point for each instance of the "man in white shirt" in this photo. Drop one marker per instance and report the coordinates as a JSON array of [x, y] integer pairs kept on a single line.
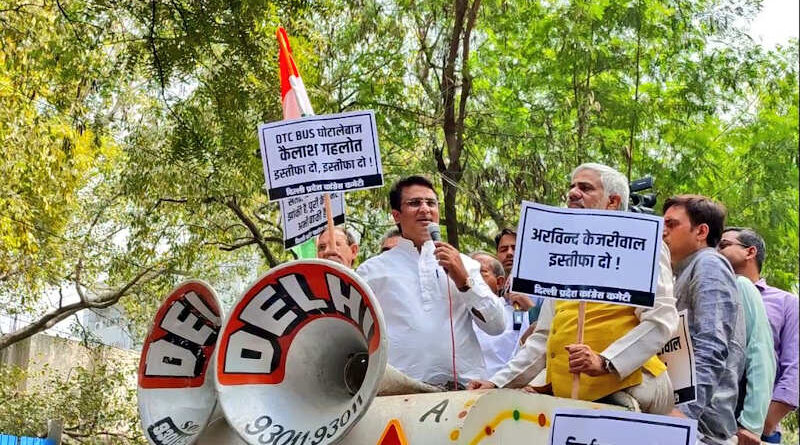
[[498, 349], [618, 357], [430, 295]]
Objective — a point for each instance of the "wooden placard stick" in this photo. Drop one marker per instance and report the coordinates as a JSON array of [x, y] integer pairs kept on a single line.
[[576, 377], [329, 216]]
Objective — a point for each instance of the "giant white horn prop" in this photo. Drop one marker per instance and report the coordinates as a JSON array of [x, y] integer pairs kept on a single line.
[[218, 432], [176, 395], [301, 355], [395, 383]]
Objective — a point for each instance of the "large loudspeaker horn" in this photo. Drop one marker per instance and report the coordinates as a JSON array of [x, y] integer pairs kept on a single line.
[[175, 392], [218, 432], [301, 355]]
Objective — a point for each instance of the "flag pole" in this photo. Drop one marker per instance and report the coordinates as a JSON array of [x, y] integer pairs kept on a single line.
[[304, 104]]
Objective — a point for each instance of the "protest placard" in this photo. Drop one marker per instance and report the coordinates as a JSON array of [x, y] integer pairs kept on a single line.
[[678, 355], [304, 217], [572, 426], [317, 154], [587, 255]]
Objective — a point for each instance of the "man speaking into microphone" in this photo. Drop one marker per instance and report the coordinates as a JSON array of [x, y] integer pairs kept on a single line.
[[430, 294]]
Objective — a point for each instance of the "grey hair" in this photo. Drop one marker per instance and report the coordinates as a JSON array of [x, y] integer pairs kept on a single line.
[[351, 239], [750, 238], [614, 182], [497, 266], [391, 233]]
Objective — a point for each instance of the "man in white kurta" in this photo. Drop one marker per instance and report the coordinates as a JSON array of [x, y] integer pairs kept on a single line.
[[628, 363], [498, 349], [624, 355], [415, 283]]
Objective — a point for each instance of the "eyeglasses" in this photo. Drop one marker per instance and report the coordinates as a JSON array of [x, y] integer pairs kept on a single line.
[[725, 244], [417, 203]]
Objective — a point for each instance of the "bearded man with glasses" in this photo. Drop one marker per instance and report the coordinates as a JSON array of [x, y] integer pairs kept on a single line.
[[431, 294]]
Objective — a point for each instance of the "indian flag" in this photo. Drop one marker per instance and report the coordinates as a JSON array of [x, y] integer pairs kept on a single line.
[[294, 100], [293, 93]]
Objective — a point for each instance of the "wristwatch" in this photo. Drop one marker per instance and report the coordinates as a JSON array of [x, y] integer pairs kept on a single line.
[[467, 286], [607, 365]]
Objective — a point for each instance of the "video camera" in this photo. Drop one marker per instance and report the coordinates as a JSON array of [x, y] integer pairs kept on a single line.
[[642, 202]]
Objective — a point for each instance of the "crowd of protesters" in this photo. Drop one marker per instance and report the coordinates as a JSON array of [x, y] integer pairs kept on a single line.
[[744, 332]]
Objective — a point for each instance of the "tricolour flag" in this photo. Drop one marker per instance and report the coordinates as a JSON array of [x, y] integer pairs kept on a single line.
[[294, 100], [293, 93]]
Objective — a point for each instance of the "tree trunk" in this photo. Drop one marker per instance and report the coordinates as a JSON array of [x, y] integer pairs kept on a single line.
[[455, 112], [451, 221]]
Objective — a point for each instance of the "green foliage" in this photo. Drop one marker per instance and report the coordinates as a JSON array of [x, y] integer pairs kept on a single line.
[[663, 88], [54, 141], [95, 155], [94, 404], [131, 126], [789, 428], [129, 130]]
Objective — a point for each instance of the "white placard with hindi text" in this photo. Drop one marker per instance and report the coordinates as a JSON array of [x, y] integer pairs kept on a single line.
[[596, 427], [304, 217], [678, 355], [318, 154], [587, 255]]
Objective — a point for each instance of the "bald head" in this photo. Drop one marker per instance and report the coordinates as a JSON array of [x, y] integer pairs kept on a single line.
[[491, 270], [390, 239]]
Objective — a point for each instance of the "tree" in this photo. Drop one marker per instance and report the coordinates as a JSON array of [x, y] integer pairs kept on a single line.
[[60, 97], [130, 128], [80, 216], [636, 85], [495, 107], [94, 403]]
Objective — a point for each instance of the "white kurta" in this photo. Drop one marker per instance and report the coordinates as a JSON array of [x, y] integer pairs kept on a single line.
[[412, 290], [499, 349], [656, 325]]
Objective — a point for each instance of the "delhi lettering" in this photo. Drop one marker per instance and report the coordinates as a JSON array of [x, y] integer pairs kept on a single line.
[[190, 326], [277, 309]]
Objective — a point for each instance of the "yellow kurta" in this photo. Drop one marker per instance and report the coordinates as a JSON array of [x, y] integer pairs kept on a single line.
[[604, 324]]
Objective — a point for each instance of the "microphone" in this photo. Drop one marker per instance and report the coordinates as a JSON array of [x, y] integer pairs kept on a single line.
[[436, 235], [434, 231]]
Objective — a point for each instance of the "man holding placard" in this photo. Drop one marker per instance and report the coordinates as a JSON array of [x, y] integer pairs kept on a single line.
[[616, 361], [706, 287], [431, 294]]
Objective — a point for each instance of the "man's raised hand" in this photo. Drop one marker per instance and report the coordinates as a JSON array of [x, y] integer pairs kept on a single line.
[[450, 259]]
